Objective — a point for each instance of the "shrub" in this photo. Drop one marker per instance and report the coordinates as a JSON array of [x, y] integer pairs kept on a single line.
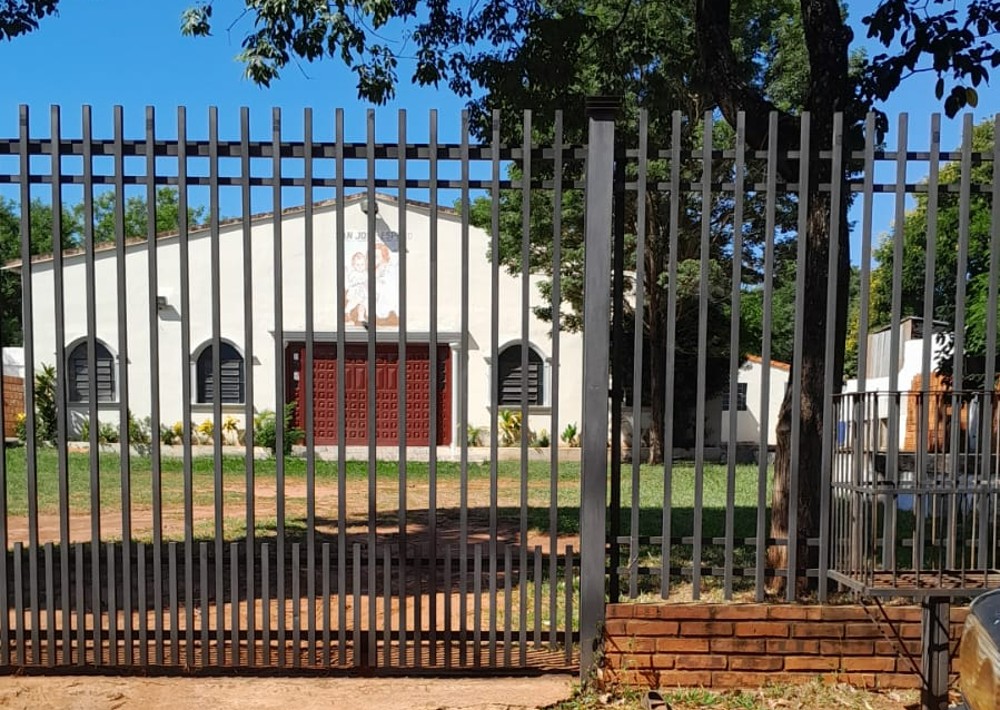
[[474, 435], [21, 427], [265, 430], [571, 435], [139, 431], [107, 433], [541, 440], [47, 420]]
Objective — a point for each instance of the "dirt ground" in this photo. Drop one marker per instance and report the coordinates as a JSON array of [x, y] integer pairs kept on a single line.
[[38, 693]]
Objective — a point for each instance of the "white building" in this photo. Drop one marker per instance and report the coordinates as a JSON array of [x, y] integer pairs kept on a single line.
[[909, 378], [268, 342], [748, 401]]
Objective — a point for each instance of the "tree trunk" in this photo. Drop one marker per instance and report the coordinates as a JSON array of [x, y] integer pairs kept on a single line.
[[657, 379], [813, 381]]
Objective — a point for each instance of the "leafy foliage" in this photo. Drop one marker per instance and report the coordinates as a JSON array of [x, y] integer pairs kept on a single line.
[[265, 430], [18, 17]]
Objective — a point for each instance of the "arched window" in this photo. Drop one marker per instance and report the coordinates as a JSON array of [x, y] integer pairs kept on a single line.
[[510, 382], [233, 375], [78, 374]]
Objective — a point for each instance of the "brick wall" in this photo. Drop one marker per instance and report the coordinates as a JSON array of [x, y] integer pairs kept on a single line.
[[13, 404], [747, 645]]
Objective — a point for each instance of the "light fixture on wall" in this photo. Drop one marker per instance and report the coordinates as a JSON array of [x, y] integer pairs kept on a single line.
[[365, 206]]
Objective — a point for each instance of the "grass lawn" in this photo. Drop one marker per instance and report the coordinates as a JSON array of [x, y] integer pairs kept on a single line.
[[448, 478]]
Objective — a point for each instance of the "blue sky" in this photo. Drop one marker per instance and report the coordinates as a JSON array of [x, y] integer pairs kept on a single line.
[[108, 52]]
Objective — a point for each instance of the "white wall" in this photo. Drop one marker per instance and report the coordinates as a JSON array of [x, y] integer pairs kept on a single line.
[[913, 354], [749, 422], [170, 321]]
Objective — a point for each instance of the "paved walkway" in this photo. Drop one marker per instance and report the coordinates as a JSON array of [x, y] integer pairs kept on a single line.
[[39, 692]]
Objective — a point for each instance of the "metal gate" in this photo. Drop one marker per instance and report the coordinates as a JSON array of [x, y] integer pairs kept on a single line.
[[180, 297]]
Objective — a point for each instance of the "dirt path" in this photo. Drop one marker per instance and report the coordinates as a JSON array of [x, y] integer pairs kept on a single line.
[[326, 501], [283, 693]]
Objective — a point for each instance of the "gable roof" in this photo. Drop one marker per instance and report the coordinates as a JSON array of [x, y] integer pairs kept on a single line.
[[202, 229], [757, 360]]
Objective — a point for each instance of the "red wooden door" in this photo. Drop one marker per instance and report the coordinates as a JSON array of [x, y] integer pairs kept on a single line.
[[387, 391]]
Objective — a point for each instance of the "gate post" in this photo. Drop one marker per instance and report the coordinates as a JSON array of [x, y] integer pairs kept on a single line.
[[601, 112]]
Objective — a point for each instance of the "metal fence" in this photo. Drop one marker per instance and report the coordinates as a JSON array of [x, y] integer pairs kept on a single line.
[[385, 432], [215, 282], [701, 522]]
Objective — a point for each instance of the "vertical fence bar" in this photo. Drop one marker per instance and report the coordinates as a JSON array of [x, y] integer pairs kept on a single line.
[[463, 404], [112, 606], [372, 318], [834, 266], [142, 604], [279, 374], [432, 363], [360, 659], [155, 462], [81, 612], [206, 605], [569, 606], [124, 436], [341, 400], [62, 455], [703, 296], [446, 587], [216, 309], [863, 326], [27, 327], [763, 450], [296, 606], [617, 374], [22, 657], [800, 294], [494, 374], [91, 297], [234, 604], [402, 384], [961, 278], [188, 464], [892, 453], [671, 346], [172, 586], [248, 388], [638, 341], [386, 606], [417, 610], [508, 611], [739, 168], [557, 177], [594, 464], [265, 605], [5, 654], [537, 587], [477, 605], [308, 383], [50, 609], [327, 660], [990, 383], [525, 314]]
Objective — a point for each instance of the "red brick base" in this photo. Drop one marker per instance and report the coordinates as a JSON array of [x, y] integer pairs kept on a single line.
[[748, 645]]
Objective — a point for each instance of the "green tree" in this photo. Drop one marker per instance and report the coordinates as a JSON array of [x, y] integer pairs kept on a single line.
[[945, 277], [136, 215], [562, 65], [40, 242]]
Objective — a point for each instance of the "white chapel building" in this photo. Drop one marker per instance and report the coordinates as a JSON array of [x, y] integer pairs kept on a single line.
[[267, 342]]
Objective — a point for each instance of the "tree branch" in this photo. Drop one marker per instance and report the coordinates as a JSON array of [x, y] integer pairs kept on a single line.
[[721, 76]]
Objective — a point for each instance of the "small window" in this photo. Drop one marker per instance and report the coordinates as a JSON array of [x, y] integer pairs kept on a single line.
[[78, 374], [511, 383], [741, 398], [232, 379]]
